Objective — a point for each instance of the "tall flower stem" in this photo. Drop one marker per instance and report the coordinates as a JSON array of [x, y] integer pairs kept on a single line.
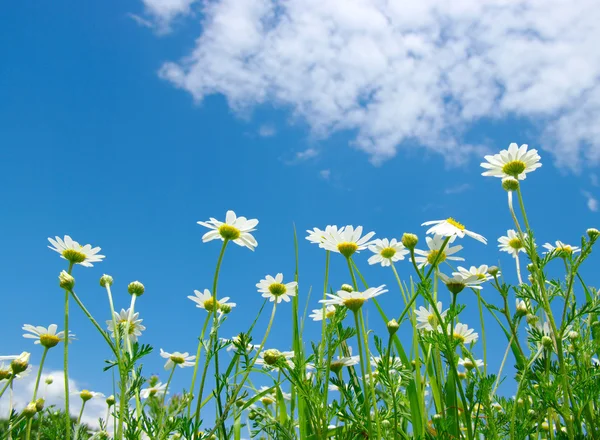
[[324, 340], [164, 399], [363, 370], [35, 389], [80, 413], [7, 384], [66, 361], [198, 352]]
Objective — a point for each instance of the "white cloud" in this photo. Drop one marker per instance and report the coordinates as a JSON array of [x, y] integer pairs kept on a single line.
[[401, 74], [54, 395], [592, 202], [165, 11], [325, 174], [457, 189], [267, 130]]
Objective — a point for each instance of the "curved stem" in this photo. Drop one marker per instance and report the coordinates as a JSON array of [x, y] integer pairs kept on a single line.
[[35, 390], [164, 399], [198, 352], [518, 268], [80, 413], [483, 340], [93, 321]]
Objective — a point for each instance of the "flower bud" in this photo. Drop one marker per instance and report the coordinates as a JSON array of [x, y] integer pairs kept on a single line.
[[522, 308], [468, 364], [136, 288], [153, 381], [455, 287], [573, 335], [225, 308], [510, 184], [531, 319], [547, 342], [347, 287], [110, 400], [240, 402], [392, 326], [21, 363], [106, 280], [85, 395], [252, 415], [49, 380], [5, 374], [409, 240], [462, 375], [30, 410], [39, 404], [493, 270], [66, 281], [593, 233], [271, 356]]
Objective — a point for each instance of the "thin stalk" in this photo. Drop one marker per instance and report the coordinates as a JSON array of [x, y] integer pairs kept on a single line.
[[371, 385], [93, 321], [198, 352], [164, 399], [502, 367], [35, 389], [363, 371], [483, 339], [324, 341], [7, 384], [80, 413], [66, 362]]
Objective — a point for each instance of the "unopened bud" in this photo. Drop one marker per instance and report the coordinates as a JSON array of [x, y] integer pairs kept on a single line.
[[493, 270], [49, 380], [271, 356], [39, 404], [66, 281], [547, 342], [392, 326], [510, 184], [106, 280], [531, 319], [153, 380], [347, 287], [30, 410], [136, 288], [573, 335], [409, 240], [85, 395], [593, 233], [225, 308], [110, 400], [21, 363]]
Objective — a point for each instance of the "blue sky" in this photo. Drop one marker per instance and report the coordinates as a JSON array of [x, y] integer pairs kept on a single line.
[[98, 145]]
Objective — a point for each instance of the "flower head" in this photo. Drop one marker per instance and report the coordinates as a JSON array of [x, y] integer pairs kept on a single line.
[[469, 364], [204, 300], [155, 390], [344, 361], [346, 240], [433, 255], [88, 395], [353, 300], [47, 337], [463, 334], [136, 288], [317, 236], [272, 356], [427, 319], [451, 228], [515, 162], [236, 339], [320, 314], [132, 328], [275, 289], [73, 252], [562, 249], [459, 281], [177, 359], [512, 243], [66, 280], [19, 363], [386, 251], [236, 229]]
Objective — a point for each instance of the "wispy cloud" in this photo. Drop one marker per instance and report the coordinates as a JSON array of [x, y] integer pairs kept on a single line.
[[163, 12], [457, 189], [394, 72], [141, 21], [592, 202], [266, 130], [325, 174]]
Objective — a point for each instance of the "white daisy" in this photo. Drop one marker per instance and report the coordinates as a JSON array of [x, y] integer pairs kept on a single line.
[[562, 248], [154, 391], [134, 328], [522, 307], [236, 339], [236, 229], [320, 314], [515, 162], [344, 361], [459, 281], [469, 364], [317, 236], [387, 251], [5, 371], [435, 244], [451, 228], [88, 395], [353, 300], [73, 252], [275, 290], [271, 357], [47, 337], [511, 243], [427, 319], [346, 240], [477, 275], [463, 334], [204, 300], [177, 359]]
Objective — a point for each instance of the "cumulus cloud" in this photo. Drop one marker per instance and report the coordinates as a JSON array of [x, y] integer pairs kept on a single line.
[[592, 202], [164, 11], [54, 395], [404, 74]]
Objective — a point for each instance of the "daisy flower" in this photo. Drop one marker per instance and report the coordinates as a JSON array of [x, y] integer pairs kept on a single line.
[[512, 243], [275, 290], [451, 228], [347, 240], [271, 357], [206, 301], [353, 300], [344, 361], [177, 359], [463, 334], [88, 395], [427, 319], [236, 339], [433, 254], [5, 371], [387, 251], [515, 162], [561, 248], [47, 337], [469, 364], [236, 229], [19, 363], [134, 328], [458, 282], [477, 275], [154, 391], [317, 236], [320, 314], [73, 252]]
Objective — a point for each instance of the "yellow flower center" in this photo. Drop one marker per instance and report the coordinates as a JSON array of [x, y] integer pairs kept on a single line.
[[458, 337], [347, 248], [433, 257], [566, 249], [229, 232], [277, 289], [330, 313], [514, 168], [74, 256], [177, 359], [432, 320], [455, 224], [4, 374], [85, 395], [126, 325], [209, 304], [388, 252], [49, 341], [481, 276], [354, 303], [266, 400], [271, 356], [515, 243]]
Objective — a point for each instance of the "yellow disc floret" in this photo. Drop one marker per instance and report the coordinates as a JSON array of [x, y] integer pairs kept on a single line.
[[229, 232]]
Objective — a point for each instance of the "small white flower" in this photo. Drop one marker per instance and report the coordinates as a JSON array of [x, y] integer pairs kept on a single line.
[[154, 391], [73, 252], [47, 337], [469, 364], [177, 359], [427, 319], [236, 229], [346, 240], [275, 290], [344, 361], [87, 395], [236, 339], [133, 329], [511, 243], [515, 162], [353, 300], [433, 254], [476, 275], [317, 236], [271, 357], [459, 281], [320, 314], [562, 248], [204, 300], [451, 228], [387, 251], [463, 334]]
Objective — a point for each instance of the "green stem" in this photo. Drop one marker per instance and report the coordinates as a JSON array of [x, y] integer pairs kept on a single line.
[[35, 389], [363, 371], [324, 342], [93, 321], [7, 384], [66, 362], [354, 284], [80, 413], [198, 352], [483, 340], [163, 410]]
